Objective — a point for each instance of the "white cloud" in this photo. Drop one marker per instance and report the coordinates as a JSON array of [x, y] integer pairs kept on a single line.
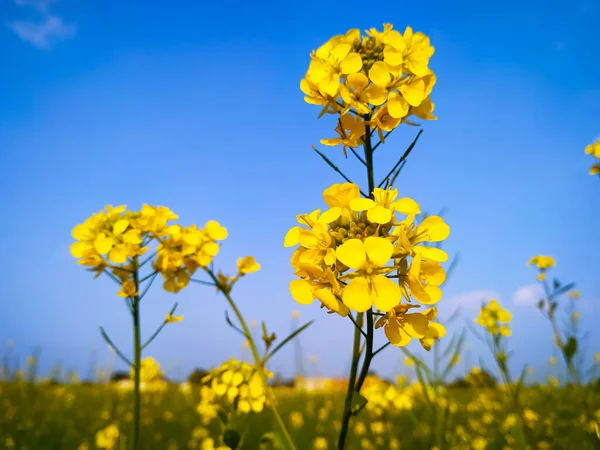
[[528, 295], [472, 299], [42, 34]]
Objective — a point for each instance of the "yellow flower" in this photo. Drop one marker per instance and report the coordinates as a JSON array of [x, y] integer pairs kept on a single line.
[[171, 318], [574, 294], [409, 362], [552, 361], [542, 262], [128, 289], [295, 315], [107, 437], [247, 265], [320, 443], [494, 319], [368, 285]]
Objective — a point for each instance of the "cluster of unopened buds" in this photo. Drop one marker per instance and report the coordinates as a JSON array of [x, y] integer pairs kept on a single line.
[[494, 319], [357, 255], [377, 80], [234, 386], [115, 238]]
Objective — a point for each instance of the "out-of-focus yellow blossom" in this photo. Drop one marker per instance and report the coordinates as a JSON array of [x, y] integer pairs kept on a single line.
[[114, 238], [320, 443], [296, 419], [455, 359], [479, 443], [358, 255], [594, 150], [597, 357], [171, 318], [295, 315], [575, 316], [383, 76], [107, 437], [553, 381], [494, 319], [209, 444], [383, 396], [574, 294], [360, 428], [552, 361], [234, 383], [542, 262], [409, 362], [530, 417]]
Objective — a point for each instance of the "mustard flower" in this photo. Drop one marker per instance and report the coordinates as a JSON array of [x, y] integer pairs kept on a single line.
[[494, 319], [359, 255], [382, 75]]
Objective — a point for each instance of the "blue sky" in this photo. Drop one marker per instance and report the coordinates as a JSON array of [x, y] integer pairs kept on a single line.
[[198, 108]]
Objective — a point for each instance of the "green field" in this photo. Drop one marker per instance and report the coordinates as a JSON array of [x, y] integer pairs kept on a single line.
[[38, 416]]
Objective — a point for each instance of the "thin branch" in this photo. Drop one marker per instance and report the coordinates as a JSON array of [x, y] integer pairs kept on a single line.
[[148, 285], [381, 348], [114, 347], [147, 276], [356, 325], [358, 156], [159, 329], [383, 140], [207, 283], [334, 167], [402, 158]]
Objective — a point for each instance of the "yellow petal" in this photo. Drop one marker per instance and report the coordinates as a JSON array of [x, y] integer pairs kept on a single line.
[[120, 226], [292, 237], [435, 227], [330, 301], [387, 291], [302, 292], [215, 230], [432, 253], [352, 253], [378, 249], [416, 325], [361, 204], [379, 74], [351, 63], [396, 335], [397, 106], [331, 215], [379, 214], [357, 295], [78, 249], [375, 95], [406, 206]]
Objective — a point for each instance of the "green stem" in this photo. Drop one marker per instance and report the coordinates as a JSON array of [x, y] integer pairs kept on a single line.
[[257, 360], [351, 380], [137, 363]]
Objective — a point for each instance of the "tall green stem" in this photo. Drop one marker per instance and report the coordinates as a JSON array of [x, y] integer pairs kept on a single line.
[[137, 363], [257, 361], [351, 380], [355, 385]]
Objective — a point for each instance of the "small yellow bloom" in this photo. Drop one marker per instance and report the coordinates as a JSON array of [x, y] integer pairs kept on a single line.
[[574, 294], [246, 265], [108, 437], [552, 361], [171, 318], [542, 262], [128, 289]]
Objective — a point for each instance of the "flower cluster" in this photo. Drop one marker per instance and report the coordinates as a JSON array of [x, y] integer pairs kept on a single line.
[[108, 437], [235, 384], [357, 255], [115, 238], [377, 80], [594, 150], [382, 396], [543, 263], [494, 319]]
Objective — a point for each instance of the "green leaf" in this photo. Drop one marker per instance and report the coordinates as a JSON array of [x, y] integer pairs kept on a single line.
[[288, 339], [540, 304], [555, 283], [273, 441], [223, 416], [358, 402], [570, 348], [231, 438]]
